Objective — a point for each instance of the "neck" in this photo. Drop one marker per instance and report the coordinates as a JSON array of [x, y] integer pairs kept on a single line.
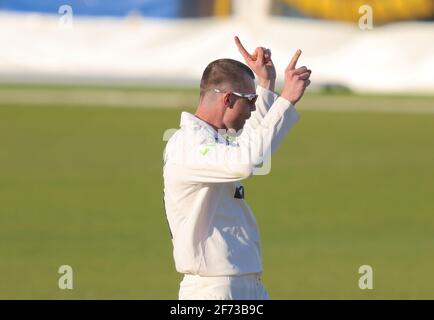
[[209, 119]]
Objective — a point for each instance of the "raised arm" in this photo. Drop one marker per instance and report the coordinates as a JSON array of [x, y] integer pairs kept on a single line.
[[262, 65]]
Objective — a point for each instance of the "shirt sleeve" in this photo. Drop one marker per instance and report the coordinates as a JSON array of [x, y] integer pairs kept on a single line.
[[215, 162]]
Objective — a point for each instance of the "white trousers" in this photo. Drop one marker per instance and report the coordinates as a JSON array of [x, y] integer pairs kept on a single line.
[[242, 287]]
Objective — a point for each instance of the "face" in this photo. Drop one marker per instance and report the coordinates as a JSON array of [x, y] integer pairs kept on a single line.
[[238, 109]]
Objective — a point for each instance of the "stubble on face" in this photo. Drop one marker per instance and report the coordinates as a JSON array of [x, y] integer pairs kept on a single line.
[[237, 116]]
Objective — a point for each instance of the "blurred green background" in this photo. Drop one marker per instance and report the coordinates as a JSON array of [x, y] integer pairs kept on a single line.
[[81, 185]]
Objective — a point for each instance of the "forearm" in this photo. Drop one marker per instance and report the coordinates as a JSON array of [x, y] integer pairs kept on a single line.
[[267, 136], [267, 83]]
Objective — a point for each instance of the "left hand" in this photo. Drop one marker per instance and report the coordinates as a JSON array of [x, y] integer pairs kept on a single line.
[[261, 64]]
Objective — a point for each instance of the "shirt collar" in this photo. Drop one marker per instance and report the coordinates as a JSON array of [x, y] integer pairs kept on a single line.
[[188, 119]]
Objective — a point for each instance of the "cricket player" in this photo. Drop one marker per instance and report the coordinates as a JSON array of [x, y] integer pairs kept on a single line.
[[215, 237]]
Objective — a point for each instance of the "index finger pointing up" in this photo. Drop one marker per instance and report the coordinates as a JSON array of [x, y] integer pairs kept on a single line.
[[293, 63], [242, 50]]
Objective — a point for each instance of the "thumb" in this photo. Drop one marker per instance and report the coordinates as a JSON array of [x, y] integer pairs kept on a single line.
[[260, 55]]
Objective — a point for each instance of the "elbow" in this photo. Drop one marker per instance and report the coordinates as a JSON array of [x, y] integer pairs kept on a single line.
[[245, 171]]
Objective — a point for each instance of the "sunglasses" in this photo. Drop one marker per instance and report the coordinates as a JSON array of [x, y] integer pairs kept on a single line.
[[251, 97]]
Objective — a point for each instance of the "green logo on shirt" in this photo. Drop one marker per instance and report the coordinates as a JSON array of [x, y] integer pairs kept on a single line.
[[204, 150]]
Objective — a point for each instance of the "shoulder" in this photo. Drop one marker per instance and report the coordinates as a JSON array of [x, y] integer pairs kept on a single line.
[[188, 139]]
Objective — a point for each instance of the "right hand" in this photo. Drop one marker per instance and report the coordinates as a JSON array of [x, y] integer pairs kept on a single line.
[[296, 80], [261, 64]]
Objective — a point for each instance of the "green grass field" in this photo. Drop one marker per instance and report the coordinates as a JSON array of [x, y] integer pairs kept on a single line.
[[82, 186]]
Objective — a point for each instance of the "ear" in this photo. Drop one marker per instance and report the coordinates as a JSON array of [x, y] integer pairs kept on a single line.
[[228, 101]]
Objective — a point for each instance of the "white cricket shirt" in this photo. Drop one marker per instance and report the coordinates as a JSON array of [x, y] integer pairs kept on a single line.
[[214, 232]]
